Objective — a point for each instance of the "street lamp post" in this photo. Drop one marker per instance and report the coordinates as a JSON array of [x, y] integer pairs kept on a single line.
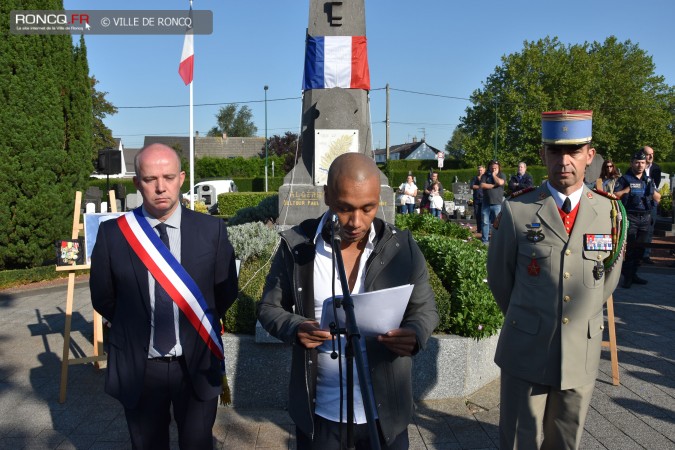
[[266, 87]]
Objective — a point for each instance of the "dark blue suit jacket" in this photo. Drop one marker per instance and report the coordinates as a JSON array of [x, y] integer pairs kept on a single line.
[[119, 292]]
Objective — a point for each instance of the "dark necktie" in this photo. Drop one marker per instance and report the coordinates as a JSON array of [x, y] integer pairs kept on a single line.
[[165, 333], [567, 205]]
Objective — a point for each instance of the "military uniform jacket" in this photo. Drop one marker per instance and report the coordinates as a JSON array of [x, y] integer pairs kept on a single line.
[[547, 290]]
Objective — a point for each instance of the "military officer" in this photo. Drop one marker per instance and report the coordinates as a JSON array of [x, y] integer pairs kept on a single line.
[[552, 263]]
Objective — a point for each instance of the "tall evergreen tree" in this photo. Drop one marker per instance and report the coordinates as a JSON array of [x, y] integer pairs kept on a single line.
[[102, 108], [45, 137]]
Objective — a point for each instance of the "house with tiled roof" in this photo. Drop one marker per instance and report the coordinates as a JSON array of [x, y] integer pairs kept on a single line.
[[412, 150], [216, 147]]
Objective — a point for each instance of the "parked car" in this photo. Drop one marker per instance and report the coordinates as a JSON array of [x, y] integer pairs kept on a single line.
[[208, 191]]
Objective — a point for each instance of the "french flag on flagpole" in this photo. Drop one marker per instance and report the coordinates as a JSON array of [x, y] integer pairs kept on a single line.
[[336, 61], [187, 60]]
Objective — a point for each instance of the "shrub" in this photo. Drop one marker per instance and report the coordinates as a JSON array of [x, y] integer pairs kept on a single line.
[[254, 244], [238, 167], [241, 318], [252, 240], [18, 277], [200, 206], [461, 266], [424, 224], [443, 301], [666, 203], [266, 210], [231, 202]]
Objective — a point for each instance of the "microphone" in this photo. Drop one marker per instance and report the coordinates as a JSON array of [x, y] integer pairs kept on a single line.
[[335, 227]]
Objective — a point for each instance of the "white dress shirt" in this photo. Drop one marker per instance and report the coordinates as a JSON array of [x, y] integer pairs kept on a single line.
[[328, 379], [173, 230]]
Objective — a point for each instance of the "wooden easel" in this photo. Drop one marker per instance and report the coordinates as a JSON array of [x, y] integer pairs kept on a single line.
[[611, 344], [98, 322]]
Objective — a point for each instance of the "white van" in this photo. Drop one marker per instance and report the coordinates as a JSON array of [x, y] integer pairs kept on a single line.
[[208, 191]]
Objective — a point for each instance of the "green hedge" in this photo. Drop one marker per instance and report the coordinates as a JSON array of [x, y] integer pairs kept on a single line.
[[101, 184], [461, 265], [426, 224], [265, 211], [447, 177], [231, 202], [11, 278], [422, 165], [460, 262], [257, 184], [239, 167]]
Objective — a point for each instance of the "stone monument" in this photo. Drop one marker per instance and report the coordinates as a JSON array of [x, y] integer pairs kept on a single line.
[[335, 115]]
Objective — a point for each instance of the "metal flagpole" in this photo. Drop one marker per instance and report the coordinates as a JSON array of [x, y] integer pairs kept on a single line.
[[192, 138]]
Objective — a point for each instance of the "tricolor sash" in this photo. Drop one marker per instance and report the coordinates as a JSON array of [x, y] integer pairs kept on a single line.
[[168, 272]]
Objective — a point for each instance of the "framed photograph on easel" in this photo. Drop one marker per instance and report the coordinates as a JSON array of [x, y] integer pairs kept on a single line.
[[91, 223], [69, 252]]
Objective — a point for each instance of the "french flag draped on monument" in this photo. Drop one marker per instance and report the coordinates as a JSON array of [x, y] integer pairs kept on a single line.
[[336, 61], [187, 60]]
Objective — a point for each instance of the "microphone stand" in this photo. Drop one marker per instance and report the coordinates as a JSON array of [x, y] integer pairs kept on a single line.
[[353, 350]]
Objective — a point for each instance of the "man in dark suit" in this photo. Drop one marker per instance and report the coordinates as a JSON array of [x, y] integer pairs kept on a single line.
[[156, 298]]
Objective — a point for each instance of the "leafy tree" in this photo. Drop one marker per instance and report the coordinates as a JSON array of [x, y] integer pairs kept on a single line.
[[455, 146], [632, 106], [287, 146], [103, 137], [45, 138], [234, 123]]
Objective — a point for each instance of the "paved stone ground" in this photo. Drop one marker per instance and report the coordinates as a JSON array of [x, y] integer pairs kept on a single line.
[[640, 413]]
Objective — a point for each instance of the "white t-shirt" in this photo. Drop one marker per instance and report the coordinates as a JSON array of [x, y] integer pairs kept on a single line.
[[436, 201], [408, 187]]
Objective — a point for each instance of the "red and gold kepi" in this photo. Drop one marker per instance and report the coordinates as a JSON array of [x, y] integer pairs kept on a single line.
[[566, 127]]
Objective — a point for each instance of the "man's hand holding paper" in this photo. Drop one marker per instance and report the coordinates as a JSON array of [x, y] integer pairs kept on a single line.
[[378, 313], [401, 341], [310, 335]]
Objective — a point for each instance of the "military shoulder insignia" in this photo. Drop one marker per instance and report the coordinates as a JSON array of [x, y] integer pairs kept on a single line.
[[521, 192]]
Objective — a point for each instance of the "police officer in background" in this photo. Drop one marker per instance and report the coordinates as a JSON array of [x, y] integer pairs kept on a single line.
[[638, 195]]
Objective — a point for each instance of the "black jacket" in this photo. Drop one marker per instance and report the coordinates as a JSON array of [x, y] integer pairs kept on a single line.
[[288, 300], [119, 292]]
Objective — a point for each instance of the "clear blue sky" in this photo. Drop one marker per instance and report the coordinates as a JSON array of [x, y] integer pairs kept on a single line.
[[438, 47]]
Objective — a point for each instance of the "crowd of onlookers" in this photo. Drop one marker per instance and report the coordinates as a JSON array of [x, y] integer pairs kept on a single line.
[[489, 183], [488, 194], [432, 195]]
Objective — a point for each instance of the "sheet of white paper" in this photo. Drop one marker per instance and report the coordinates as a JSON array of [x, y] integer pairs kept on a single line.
[[376, 312]]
